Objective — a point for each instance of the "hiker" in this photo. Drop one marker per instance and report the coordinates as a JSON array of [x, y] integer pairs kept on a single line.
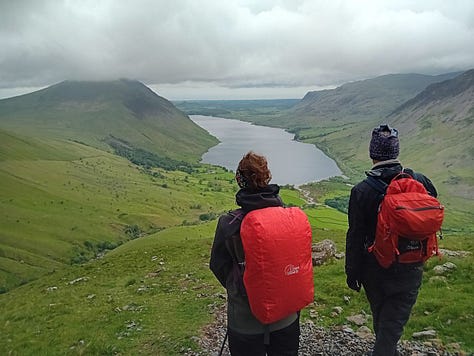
[[391, 291], [247, 335]]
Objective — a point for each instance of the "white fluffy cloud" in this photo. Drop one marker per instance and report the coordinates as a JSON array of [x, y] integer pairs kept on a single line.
[[233, 46]]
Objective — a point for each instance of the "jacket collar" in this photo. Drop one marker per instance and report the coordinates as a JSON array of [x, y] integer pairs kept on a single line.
[[385, 170], [250, 199], [389, 162]]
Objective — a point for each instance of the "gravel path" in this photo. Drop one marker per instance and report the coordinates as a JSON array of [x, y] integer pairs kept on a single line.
[[315, 341]]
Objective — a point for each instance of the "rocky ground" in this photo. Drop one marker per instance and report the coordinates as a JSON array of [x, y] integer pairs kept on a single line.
[[341, 340], [317, 341]]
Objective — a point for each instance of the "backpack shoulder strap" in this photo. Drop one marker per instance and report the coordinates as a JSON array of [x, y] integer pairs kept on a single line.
[[237, 214], [378, 184], [423, 180], [234, 243], [410, 172]]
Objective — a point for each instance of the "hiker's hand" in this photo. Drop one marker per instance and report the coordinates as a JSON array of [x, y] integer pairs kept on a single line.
[[353, 283]]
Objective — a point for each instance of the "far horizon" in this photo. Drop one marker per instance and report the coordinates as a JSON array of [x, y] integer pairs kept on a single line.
[[210, 91], [196, 92]]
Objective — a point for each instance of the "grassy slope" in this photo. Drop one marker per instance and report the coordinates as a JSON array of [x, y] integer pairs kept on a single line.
[[56, 195], [362, 100], [151, 296]]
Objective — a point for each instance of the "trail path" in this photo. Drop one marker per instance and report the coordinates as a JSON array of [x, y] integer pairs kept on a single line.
[[314, 341], [306, 195]]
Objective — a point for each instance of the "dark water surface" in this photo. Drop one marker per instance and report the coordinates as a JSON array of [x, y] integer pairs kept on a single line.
[[291, 162]]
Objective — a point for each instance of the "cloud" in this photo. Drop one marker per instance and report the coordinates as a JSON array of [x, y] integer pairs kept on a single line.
[[231, 44]]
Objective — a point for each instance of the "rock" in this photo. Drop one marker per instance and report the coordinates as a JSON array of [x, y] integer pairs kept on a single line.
[[446, 267], [347, 329], [450, 266], [364, 332], [425, 333], [80, 279], [50, 289], [347, 299], [153, 274], [337, 310], [441, 279], [451, 253], [455, 346], [313, 314], [357, 319], [323, 251], [91, 296], [438, 269], [314, 340], [142, 289]]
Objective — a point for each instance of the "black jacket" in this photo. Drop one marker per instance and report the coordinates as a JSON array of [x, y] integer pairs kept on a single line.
[[363, 205], [239, 315]]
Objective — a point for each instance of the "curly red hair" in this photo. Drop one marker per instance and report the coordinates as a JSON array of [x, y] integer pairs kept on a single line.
[[254, 168]]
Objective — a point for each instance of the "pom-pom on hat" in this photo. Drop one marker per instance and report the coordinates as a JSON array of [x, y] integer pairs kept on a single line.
[[384, 144]]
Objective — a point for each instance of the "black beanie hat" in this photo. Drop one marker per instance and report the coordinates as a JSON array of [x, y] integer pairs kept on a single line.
[[384, 144]]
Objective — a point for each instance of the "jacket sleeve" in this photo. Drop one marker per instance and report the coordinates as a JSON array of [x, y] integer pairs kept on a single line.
[[356, 235], [221, 260]]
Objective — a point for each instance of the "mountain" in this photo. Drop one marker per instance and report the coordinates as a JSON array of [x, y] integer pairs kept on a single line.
[[96, 113], [459, 87], [437, 127], [363, 100]]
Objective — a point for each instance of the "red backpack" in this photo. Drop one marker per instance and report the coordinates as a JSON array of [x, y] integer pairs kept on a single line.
[[407, 221], [278, 274]]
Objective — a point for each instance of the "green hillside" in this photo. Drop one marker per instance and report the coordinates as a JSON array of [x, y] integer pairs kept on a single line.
[[362, 100], [438, 125], [97, 112], [153, 295], [63, 202]]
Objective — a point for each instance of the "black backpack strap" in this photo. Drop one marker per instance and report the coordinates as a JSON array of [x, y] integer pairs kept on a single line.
[[234, 245], [423, 180], [378, 184]]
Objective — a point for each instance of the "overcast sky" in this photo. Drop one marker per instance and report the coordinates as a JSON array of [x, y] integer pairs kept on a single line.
[[230, 49]]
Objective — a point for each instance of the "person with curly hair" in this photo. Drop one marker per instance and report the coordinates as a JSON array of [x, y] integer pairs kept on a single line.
[[247, 335]]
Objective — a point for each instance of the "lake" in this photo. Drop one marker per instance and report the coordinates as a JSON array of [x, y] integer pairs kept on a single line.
[[290, 161]]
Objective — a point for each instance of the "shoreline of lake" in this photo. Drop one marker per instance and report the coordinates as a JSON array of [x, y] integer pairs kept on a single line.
[[279, 146]]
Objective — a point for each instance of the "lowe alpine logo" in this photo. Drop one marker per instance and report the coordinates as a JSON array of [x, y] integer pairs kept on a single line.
[[291, 269]]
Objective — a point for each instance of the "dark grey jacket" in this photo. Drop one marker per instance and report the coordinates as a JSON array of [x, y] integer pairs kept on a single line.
[[363, 205]]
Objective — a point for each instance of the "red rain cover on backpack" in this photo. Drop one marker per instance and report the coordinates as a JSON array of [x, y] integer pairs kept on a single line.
[[407, 223], [278, 274]]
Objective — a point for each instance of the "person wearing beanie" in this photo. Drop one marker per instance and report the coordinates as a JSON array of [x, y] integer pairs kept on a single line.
[[247, 335], [391, 292]]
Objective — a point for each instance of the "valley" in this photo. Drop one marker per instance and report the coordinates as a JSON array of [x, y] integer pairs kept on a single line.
[[104, 249]]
